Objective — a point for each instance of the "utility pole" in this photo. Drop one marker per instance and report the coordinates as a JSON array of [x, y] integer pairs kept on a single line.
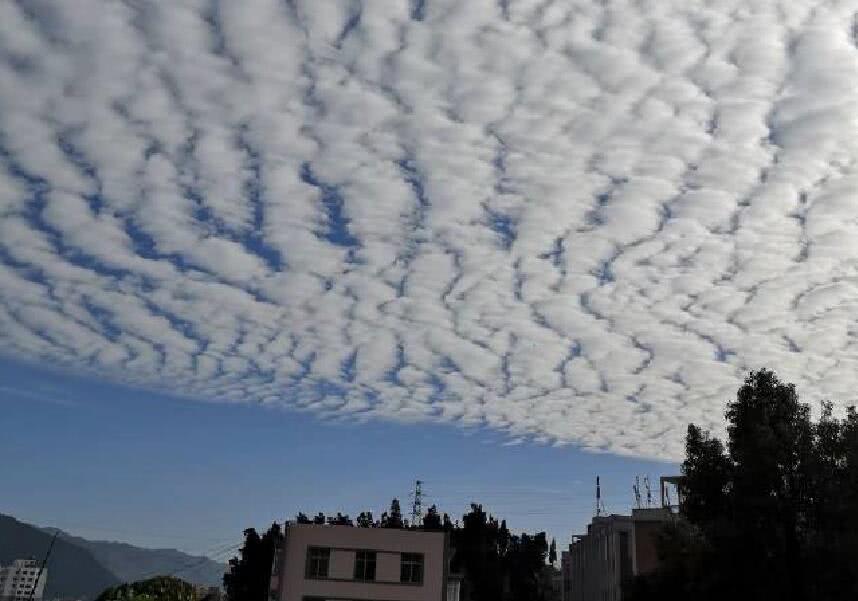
[[417, 504], [42, 567]]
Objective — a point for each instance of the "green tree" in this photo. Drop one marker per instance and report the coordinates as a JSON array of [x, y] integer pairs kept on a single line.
[[552, 552], [160, 588]]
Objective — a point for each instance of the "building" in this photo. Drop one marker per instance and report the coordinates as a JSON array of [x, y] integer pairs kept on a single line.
[[344, 563], [599, 562], [18, 580], [615, 549]]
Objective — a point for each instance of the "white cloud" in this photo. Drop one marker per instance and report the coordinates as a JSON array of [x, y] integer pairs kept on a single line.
[[574, 221]]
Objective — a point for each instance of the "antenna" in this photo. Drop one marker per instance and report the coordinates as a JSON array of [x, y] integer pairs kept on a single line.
[[599, 505], [637, 488], [648, 492], [417, 504]]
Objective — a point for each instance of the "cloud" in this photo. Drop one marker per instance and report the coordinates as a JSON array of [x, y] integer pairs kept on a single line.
[[571, 221]]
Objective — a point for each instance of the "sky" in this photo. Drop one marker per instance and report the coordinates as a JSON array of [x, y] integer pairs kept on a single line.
[[109, 462], [572, 224]]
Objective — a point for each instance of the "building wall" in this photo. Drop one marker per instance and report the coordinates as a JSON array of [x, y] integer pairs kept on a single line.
[[17, 580], [600, 561], [648, 523], [615, 549], [344, 541]]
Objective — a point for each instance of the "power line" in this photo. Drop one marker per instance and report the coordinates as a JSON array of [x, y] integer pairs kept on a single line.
[[42, 567]]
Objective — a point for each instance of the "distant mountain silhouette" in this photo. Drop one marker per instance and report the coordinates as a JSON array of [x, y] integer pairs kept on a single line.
[[130, 563], [84, 568], [72, 570]]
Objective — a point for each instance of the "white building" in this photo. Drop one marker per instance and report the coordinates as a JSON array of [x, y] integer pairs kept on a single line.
[[17, 581], [346, 563]]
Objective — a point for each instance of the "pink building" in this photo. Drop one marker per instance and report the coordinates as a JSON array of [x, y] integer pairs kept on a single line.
[[345, 563]]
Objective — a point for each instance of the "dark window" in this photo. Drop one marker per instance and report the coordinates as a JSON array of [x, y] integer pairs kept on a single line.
[[411, 568], [318, 559], [365, 565]]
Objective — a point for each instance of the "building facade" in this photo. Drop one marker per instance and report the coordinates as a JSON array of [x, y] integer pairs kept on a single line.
[[615, 549], [599, 562], [18, 580], [344, 563]]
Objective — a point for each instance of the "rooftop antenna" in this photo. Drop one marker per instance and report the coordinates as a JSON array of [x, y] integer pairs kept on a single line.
[[417, 504], [637, 488], [598, 497], [648, 492]]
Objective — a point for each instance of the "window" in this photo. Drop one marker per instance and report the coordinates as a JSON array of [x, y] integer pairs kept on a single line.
[[365, 565], [318, 559], [411, 568]]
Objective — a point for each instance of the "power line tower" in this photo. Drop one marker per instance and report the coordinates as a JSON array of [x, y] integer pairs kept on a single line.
[[600, 507], [417, 504], [637, 489], [648, 492]]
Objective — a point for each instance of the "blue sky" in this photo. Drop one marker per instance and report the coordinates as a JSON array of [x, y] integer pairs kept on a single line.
[[380, 241], [111, 462]]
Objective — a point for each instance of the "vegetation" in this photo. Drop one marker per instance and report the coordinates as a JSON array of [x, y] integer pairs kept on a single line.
[[249, 575], [497, 565], [771, 514], [161, 588]]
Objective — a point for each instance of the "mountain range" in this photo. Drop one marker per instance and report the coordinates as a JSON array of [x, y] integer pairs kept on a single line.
[[80, 568]]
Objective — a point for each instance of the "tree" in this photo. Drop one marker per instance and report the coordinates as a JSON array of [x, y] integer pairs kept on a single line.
[[432, 521], [340, 520], [249, 576], [771, 513], [394, 518], [552, 552], [160, 588]]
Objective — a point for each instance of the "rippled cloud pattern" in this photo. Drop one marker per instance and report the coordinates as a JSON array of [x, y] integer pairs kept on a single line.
[[573, 221]]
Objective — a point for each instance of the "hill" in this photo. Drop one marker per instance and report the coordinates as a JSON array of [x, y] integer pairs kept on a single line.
[[72, 571], [84, 568], [130, 563]]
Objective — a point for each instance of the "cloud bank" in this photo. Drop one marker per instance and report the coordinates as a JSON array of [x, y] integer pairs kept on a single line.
[[575, 221]]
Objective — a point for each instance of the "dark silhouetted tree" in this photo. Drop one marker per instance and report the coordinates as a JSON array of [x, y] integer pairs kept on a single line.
[[552, 552], [340, 520], [432, 521], [772, 514], [394, 518], [249, 575]]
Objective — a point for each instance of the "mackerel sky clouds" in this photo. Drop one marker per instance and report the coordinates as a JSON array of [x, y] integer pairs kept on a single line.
[[570, 221]]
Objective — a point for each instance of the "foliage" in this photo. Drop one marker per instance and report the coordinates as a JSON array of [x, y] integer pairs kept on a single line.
[[161, 588], [249, 576], [394, 518], [498, 565], [769, 515]]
